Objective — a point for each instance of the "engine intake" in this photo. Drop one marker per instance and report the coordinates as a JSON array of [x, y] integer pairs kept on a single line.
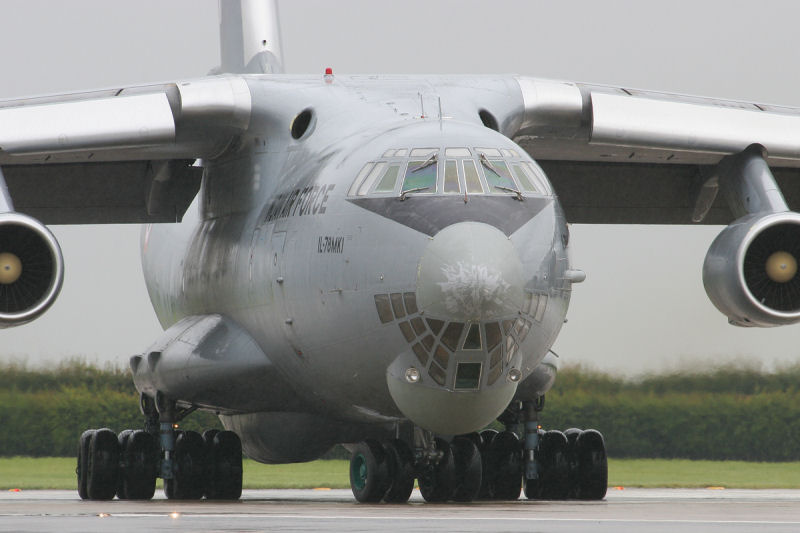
[[751, 270], [31, 269]]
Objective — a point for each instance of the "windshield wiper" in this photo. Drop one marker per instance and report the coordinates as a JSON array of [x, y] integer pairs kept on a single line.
[[509, 189], [425, 164], [488, 164], [416, 189]]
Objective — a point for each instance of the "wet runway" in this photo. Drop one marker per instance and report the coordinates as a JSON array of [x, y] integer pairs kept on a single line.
[[641, 510]]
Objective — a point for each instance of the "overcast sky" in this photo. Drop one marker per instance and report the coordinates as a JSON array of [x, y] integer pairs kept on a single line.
[[642, 307]]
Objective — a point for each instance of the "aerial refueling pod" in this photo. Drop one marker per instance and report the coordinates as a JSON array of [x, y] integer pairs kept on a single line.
[[751, 270], [31, 269]]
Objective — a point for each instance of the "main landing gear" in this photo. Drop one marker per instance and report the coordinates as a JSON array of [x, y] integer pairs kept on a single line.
[[127, 465], [491, 465]]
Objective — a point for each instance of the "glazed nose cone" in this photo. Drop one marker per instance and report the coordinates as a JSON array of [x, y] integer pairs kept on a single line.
[[470, 271]]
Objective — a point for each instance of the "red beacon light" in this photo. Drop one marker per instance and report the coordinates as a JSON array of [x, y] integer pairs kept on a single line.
[[329, 75]]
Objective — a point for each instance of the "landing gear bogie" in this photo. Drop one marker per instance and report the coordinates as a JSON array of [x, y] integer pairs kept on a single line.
[[192, 465]]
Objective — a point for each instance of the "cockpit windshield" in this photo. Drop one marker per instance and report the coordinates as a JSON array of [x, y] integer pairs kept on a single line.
[[452, 170]]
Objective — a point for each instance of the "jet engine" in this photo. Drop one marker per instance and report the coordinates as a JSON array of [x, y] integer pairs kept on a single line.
[[31, 269], [751, 270]]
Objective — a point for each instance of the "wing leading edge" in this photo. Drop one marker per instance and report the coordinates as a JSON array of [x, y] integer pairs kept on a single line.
[[118, 156], [619, 155]]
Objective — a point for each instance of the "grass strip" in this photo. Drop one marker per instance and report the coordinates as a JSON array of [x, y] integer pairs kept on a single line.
[[691, 474], [29, 473]]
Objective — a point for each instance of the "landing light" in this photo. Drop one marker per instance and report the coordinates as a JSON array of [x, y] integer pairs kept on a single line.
[[514, 375], [412, 375]]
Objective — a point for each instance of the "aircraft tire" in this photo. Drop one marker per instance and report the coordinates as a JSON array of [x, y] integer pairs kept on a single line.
[[369, 472], [506, 455], [590, 450], [554, 465], [224, 473], [436, 482], [188, 481], [122, 438], [208, 440], [83, 463], [487, 465], [468, 467], [208, 436], [103, 465], [475, 437], [572, 462], [400, 462], [140, 453]]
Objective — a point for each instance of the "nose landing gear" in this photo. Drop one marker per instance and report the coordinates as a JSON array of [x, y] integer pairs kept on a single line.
[[492, 465]]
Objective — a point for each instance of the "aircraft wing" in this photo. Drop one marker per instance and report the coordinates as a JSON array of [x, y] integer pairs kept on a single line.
[[618, 155], [118, 155]]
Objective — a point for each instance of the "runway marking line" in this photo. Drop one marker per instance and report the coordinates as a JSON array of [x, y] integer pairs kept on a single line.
[[444, 518]]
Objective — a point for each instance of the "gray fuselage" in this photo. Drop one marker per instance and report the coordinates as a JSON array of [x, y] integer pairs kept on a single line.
[[371, 305]]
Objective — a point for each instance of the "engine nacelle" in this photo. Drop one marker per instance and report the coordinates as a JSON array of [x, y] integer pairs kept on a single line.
[[751, 270], [31, 269]]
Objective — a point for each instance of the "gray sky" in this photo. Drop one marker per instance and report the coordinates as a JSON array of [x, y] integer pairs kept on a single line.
[[642, 307]]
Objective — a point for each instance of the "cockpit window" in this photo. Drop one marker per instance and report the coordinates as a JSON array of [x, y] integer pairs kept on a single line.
[[451, 184], [524, 179], [389, 179], [452, 170], [538, 176], [376, 171], [498, 176], [421, 175], [360, 179], [489, 152], [471, 178]]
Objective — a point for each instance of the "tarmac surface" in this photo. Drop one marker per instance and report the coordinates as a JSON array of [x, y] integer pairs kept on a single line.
[[640, 510]]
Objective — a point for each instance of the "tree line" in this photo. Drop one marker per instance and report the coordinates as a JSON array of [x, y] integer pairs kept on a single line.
[[724, 413]]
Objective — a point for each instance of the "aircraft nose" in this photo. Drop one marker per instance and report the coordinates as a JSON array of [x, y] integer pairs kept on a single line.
[[464, 370], [470, 271]]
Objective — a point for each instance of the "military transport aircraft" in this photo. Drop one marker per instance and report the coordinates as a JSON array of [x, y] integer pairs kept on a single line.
[[378, 261]]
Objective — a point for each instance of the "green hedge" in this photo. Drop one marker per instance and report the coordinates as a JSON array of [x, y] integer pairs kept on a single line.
[[727, 413], [44, 411], [724, 413]]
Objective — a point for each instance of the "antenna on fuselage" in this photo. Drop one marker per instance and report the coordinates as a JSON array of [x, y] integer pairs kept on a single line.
[[250, 38]]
